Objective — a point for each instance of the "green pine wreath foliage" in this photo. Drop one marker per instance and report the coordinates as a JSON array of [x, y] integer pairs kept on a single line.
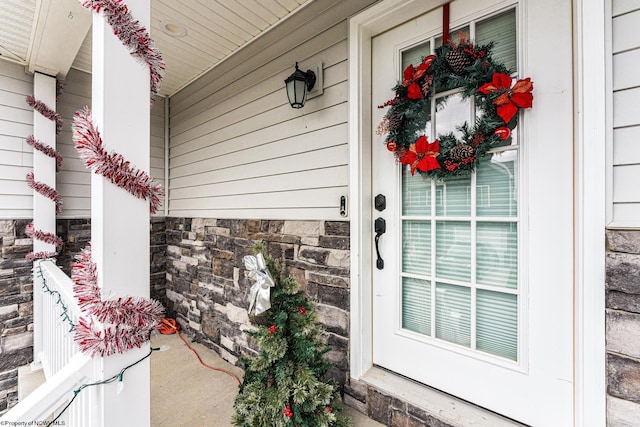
[[286, 384], [472, 71]]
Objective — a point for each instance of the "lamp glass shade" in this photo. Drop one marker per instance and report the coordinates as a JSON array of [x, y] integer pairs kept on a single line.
[[297, 89]]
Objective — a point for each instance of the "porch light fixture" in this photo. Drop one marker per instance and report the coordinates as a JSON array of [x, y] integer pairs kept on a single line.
[[298, 85]]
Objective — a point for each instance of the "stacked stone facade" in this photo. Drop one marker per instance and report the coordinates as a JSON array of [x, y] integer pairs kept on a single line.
[[75, 233], [16, 308], [157, 261], [623, 327], [208, 291], [388, 409]]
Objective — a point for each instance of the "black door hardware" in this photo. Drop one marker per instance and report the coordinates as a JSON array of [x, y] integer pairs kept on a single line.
[[380, 202], [380, 227]]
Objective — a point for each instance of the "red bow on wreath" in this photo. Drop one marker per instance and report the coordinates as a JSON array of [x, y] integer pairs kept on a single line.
[[412, 75], [422, 155], [512, 98]]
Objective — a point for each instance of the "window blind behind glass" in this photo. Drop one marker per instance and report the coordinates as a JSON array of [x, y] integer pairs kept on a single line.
[[501, 29]]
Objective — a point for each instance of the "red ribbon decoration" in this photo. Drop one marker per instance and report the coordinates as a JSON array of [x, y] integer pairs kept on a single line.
[[445, 23]]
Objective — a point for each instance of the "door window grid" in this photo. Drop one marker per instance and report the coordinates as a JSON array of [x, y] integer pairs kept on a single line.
[[472, 328], [453, 247]]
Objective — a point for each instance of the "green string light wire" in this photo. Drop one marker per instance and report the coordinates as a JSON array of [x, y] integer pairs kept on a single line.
[[119, 376], [65, 310]]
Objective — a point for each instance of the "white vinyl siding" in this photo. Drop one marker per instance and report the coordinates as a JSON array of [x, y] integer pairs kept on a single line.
[[626, 114], [238, 149], [74, 180], [16, 157], [157, 141]]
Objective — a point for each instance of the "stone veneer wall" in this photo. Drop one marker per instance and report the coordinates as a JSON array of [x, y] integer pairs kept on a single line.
[[208, 291], [386, 408], [16, 308], [623, 327], [75, 233], [158, 255]]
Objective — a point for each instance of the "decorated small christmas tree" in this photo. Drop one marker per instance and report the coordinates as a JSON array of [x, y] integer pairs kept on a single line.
[[285, 384]]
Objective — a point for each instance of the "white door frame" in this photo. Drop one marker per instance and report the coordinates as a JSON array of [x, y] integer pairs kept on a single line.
[[590, 201]]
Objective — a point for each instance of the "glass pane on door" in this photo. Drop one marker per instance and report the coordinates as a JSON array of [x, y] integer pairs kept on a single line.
[[416, 247], [453, 314], [453, 250], [496, 185], [453, 197], [416, 300], [497, 254], [497, 323]]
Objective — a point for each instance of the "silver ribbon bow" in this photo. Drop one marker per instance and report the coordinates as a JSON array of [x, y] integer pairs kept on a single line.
[[261, 289]]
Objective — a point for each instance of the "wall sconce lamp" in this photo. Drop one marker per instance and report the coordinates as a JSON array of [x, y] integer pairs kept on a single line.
[[298, 85]]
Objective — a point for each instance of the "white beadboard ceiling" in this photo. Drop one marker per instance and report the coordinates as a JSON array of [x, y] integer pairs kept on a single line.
[[215, 30]]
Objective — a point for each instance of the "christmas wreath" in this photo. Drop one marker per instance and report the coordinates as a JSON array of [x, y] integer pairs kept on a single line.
[[471, 70]]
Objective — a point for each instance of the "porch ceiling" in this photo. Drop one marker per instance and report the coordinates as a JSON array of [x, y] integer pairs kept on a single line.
[[31, 29]]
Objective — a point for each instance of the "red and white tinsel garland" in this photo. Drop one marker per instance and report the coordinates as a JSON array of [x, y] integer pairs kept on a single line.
[[46, 149], [133, 36], [47, 112], [45, 190], [109, 326], [112, 166], [32, 256], [46, 237], [41, 187]]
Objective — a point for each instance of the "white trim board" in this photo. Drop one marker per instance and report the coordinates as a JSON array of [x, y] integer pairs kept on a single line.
[[590, 166]]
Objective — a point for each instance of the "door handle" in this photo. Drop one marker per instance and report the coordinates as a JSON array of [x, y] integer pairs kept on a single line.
[[380, 227]]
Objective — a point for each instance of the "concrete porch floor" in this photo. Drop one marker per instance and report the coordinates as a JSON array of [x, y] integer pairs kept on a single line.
[[185, 393]]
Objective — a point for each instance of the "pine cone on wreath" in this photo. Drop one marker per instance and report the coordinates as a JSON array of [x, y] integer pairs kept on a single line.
[[394, 121], [461, 152], [458, 59]]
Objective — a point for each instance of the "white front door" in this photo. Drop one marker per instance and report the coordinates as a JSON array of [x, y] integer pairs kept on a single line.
[[476, 294]]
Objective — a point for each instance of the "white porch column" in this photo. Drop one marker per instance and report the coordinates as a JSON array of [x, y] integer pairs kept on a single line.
[[44, 210], [120, 221]]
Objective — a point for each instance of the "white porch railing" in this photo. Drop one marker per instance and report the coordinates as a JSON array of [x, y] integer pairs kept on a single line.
[[60, 312], [65, 368]]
